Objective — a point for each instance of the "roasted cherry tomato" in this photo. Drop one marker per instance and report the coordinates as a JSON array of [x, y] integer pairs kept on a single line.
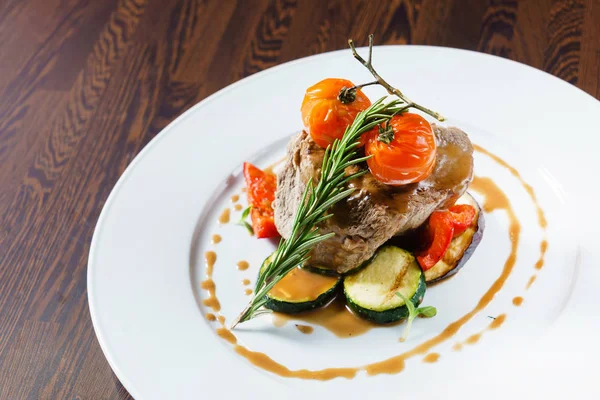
[[260, 189], [324, 116], [443, 226], [407, 155], [440, 233]]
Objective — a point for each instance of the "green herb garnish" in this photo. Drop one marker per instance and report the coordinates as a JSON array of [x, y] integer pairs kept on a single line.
[[426, 311], [245, 223]]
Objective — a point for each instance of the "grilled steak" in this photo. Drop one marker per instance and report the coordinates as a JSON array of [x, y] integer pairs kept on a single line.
[[375, 212]]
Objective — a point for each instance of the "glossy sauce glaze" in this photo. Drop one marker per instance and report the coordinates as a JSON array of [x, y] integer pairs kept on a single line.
[[335, 317], [302, 284]]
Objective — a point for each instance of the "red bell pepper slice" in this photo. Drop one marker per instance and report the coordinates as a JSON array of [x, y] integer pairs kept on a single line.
[[442, 228], [260, 188]]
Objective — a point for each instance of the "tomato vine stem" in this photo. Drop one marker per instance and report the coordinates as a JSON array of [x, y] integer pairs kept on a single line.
[[391, 90]]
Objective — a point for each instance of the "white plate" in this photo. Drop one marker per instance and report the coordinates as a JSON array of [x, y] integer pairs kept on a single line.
[[146, 264]]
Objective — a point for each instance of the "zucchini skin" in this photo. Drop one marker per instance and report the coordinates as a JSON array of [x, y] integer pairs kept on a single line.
[[294, 308], [330, 272], [290, 307], [391, 315]]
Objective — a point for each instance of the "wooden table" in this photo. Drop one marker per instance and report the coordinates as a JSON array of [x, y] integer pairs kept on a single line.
[[85, 84]]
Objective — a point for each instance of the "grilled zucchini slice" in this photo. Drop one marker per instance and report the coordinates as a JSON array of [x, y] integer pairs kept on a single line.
[[371, 293], [301, 290]]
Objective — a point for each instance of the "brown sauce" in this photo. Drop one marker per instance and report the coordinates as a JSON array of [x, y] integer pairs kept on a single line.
[[307, 330], [248, 292], [334, 317], [238, 207], [216, 239], [302, 284], [431, 358], [235, 198], [210, 317], [543, 247], [224, 217], [541, 216], [246, 282], [212, 301], [531, 280], [497, 322], [242, 265], [210, 257], [517, 301], [473, 338], [227, 335]]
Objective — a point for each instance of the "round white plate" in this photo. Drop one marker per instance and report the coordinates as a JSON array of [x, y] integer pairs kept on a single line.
[[146, 257]]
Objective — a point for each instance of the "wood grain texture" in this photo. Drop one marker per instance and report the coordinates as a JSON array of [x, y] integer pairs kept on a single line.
[[84, 85]]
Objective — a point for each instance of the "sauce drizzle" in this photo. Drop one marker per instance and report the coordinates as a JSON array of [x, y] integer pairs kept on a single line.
[[517, 301], [238, 207], [431, 357], [531, 280], [307, 330], [216, 239], [235, 198], [495, 199], [543, 247], [224, 217], [242, 265]]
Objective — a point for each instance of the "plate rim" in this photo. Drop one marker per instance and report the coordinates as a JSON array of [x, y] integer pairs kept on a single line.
[[154, 142]]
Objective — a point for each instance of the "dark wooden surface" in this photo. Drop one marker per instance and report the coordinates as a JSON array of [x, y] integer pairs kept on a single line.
[[85, 84]]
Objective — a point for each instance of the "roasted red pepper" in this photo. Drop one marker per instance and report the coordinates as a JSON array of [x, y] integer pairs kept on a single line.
[[260, 188], [443, 226], [462, 217]]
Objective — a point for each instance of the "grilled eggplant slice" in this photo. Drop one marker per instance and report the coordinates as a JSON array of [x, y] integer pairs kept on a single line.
[[461, 248]]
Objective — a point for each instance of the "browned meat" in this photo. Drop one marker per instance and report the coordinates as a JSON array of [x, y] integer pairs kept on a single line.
[[375, 212]]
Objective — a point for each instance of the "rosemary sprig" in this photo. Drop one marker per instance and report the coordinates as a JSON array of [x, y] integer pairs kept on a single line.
[[317, 199]]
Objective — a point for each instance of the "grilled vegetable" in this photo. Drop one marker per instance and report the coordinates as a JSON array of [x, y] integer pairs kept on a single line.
[[371, 292], [442, 227], [403, 151], [261, 193], [461, 247], [326, 113], [301, 290]]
